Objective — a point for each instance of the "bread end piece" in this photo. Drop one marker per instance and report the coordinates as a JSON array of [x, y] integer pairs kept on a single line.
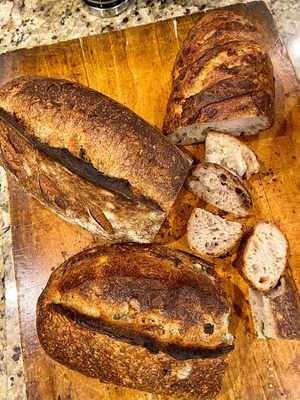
[[276, 314]]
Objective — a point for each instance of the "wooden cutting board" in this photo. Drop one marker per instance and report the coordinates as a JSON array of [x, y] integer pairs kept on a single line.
[[134, 67]]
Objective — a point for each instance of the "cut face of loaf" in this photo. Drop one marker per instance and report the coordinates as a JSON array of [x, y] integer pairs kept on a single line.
[[219, 187], [212, 235], [265, 256], [230, 153], [249, 123], [222, 80], [145, 317]]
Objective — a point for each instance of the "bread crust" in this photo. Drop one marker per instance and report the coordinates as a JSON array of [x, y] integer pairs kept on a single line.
[[122, 164], [111, 356], [276, 314], [220, 60]]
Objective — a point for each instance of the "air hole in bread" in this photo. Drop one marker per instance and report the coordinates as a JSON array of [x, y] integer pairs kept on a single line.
[[278, 284], [209, 329], [263, 279]]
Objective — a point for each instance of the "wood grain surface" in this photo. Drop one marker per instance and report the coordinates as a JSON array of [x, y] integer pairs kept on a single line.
[[134, 67]]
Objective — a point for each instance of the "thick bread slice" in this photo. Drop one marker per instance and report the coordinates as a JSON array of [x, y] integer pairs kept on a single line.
[[219, 187], [231, 153], [265, 256], [276, 314], [211, 235], [145, 317], [89, 158], [220, 61]]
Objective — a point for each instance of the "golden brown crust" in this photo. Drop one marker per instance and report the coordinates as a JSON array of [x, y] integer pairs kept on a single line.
[[118, 143], [213, 29], [285, 305], [221, 61], [73, 198], [77, 324], [54, 136], [276, 314]]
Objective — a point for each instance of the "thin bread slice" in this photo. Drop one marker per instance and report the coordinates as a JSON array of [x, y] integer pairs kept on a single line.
[[211, 235], [265, 256], [218, 186], [231, 153]]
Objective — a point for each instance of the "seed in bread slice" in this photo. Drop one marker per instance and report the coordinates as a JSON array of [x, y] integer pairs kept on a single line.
[[265, 256], [218, 186], [212, 235], [231, 153]]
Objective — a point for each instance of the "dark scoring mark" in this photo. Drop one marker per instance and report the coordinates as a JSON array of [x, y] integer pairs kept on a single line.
[[123, 335], [78, 166]]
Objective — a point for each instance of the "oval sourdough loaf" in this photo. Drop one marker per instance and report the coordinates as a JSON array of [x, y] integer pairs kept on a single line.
[[145, 317], [89, 158], [222, 80]]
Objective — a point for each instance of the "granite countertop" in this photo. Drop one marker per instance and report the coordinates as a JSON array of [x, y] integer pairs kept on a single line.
[[29, 23]]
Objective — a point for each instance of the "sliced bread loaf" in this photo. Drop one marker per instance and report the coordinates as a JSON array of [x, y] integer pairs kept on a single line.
[[219, 187], [231, 153], [212, 235], [265, 256]]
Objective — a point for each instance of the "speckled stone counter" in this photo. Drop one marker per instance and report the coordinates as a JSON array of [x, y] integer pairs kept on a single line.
[[29, 23]]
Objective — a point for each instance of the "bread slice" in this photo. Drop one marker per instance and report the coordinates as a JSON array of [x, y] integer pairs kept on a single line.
[[211, 235], [219, 187], [231, 153], [265, 256], [276, 314]]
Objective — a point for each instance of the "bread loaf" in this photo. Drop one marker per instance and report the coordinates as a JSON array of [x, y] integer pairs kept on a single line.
[[89, 158], [222, 80], [145, 317]]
